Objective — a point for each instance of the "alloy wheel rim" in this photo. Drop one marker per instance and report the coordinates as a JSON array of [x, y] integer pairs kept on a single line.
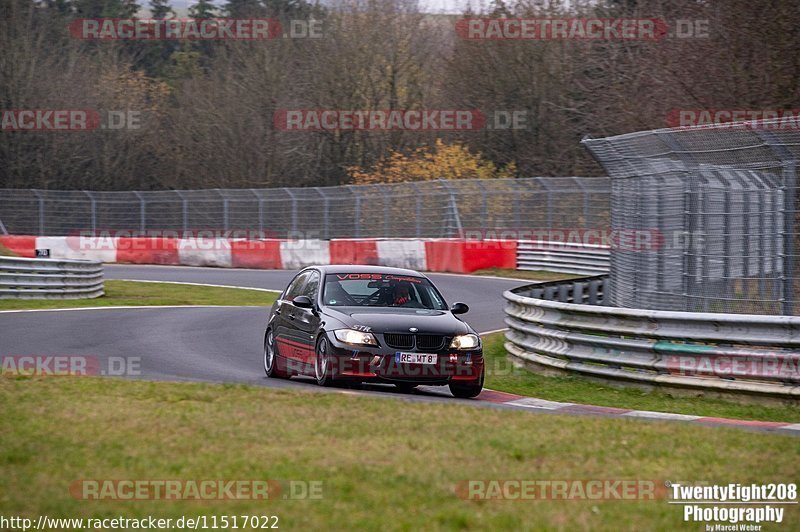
[[269, 353], [321, 365]]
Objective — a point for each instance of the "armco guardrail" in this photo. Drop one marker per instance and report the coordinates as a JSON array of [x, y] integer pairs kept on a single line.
[[22, 278], [562, 326], [582, 259]]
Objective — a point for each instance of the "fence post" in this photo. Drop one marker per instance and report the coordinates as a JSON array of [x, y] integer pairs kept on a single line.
[[549, 195], [484, 206], [224, 208], [325, 213], [585, 202], [185, 207], [260, 212], [454, 208], [357, 210], [94, 211], [418, 209], [41, 211], [789, 165], [690, 194], [294, 211], [142, 211], [386, 218]]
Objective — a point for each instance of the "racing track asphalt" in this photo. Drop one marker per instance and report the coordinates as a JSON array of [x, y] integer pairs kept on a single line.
[[223, 344]]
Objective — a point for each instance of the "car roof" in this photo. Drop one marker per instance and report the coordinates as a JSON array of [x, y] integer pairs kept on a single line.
[[350, 268]]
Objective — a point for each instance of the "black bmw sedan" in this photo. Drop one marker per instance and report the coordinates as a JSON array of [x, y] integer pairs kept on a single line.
[[372, 324]]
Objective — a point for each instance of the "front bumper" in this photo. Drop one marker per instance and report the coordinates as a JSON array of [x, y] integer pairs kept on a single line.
[[380, 364]]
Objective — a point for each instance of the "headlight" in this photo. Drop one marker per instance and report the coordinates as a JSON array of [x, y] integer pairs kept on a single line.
[[465, 341], [352, 336]]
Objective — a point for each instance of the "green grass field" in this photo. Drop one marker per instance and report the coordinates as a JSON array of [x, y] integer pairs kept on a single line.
[[503, 376], [5, 252], [135, 293], [537, 275], [384, 464]]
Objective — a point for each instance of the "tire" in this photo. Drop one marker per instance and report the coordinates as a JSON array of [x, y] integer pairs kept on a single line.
[[322, 363], [466, 391], [405, 387], [271, 361]]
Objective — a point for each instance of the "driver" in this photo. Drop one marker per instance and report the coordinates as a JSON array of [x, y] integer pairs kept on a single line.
[[402, 294]]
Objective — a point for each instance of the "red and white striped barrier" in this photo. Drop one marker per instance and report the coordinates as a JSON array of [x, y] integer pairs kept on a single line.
[[439, 255]]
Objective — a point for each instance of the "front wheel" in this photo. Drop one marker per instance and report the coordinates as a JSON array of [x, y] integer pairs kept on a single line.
[[271, 357], [466, 391], [322, 363]]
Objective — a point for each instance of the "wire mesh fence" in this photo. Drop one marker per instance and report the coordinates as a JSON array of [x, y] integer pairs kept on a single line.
[[722, 200], [430, 209]]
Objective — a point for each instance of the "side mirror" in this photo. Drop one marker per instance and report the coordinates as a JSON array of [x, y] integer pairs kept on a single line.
[[459, 308], [303, 302]]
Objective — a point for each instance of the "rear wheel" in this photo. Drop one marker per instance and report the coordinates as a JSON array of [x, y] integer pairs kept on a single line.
[[271, 357], [466, 391], [323, 370]]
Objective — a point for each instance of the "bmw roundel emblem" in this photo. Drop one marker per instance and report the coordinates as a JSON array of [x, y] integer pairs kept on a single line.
[[413, 329]]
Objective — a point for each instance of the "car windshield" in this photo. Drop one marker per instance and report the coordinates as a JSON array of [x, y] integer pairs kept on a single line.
[[380, 290]]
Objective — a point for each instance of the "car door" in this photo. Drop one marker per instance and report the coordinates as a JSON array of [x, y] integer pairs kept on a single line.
[[283, 324], [306, 321]]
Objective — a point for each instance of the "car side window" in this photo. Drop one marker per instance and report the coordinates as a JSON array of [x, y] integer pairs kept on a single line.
[[312, 286], [296, 287]]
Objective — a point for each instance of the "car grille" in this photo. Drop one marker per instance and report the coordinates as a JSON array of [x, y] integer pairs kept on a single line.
[[430, 342], [399, 341], [424, 342]]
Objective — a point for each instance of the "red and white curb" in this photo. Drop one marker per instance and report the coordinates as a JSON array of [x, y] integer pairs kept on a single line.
[[533, 403]]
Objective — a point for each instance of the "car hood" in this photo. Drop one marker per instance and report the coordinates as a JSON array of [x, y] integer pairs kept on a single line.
[[400, 320]]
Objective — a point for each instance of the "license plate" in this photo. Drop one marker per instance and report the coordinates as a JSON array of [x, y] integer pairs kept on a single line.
[[415, 358]]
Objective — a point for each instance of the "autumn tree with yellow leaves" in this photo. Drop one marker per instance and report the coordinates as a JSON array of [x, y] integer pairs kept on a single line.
[[442, 161]]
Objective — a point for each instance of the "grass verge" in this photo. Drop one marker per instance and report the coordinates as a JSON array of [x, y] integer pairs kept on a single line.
[[503, 376], [134, 293], [537, 275], [5, 252], [384, 464]]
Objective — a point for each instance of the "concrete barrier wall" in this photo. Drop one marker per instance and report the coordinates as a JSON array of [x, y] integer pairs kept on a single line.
[[440, 255]]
